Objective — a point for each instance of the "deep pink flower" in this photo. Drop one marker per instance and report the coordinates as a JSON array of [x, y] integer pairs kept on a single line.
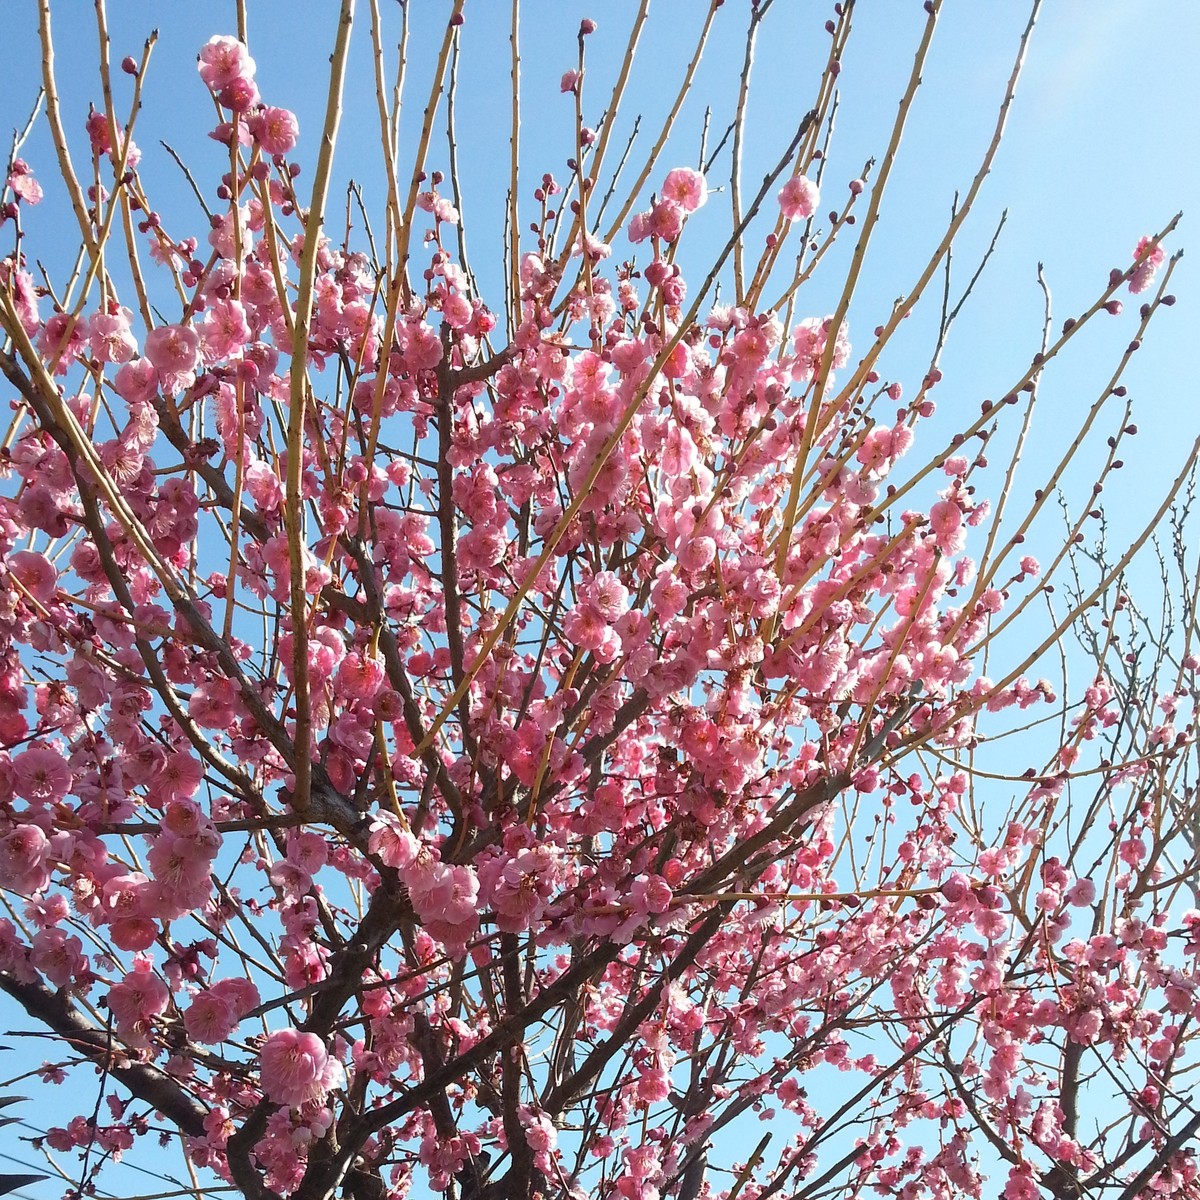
[[359, 677], [239, 95], [665, 220]]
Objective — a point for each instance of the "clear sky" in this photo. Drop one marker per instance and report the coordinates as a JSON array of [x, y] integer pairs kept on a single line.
[[1102, 148]]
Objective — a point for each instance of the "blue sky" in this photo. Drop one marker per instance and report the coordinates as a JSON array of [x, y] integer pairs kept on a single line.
[[1102, 147]]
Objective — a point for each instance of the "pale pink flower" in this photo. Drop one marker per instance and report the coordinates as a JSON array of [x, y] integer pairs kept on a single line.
[[224, 60], [137, 382], [422, 346], [276, 129], [24, 860], [1148, 261], [392, 841], [946, 519], [540, 1136], [609, 595], [110, 337], [685, 187], [22, 182], [210, 1018], [179, 778], [445, 898], [1020, 1184], [57, 956], [798, 198], [175, 352], [35, 573], [296, 1068], [41, 774], [586, 627], [224, 330], [138, 998]]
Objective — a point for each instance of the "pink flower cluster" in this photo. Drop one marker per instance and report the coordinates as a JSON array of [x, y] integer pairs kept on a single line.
[[217, 1010], [228, 70], [683, 192], [444, 896]]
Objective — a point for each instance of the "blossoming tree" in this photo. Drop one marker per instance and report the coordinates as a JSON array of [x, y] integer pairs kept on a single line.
[[511, 747]]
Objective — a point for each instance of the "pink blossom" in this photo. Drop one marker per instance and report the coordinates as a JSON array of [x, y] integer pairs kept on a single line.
[[224, 60], [665, 220], [609, 595], [540, 1136], [41, 773], [223, 331], [685, 187], [180, 776], [216, 1012], [422, 346], [798, 198], [445, 898], [296, 1069], [239, 95], [139, 997], [58, 956], [137, 382], [110, 338], [23, 184], [392, 841], [24, 855], [1148, 258], [209, 1018], [175, 352], [946, 521], [36, 574], [1021, 1184], [276, 129], [359, 676]]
